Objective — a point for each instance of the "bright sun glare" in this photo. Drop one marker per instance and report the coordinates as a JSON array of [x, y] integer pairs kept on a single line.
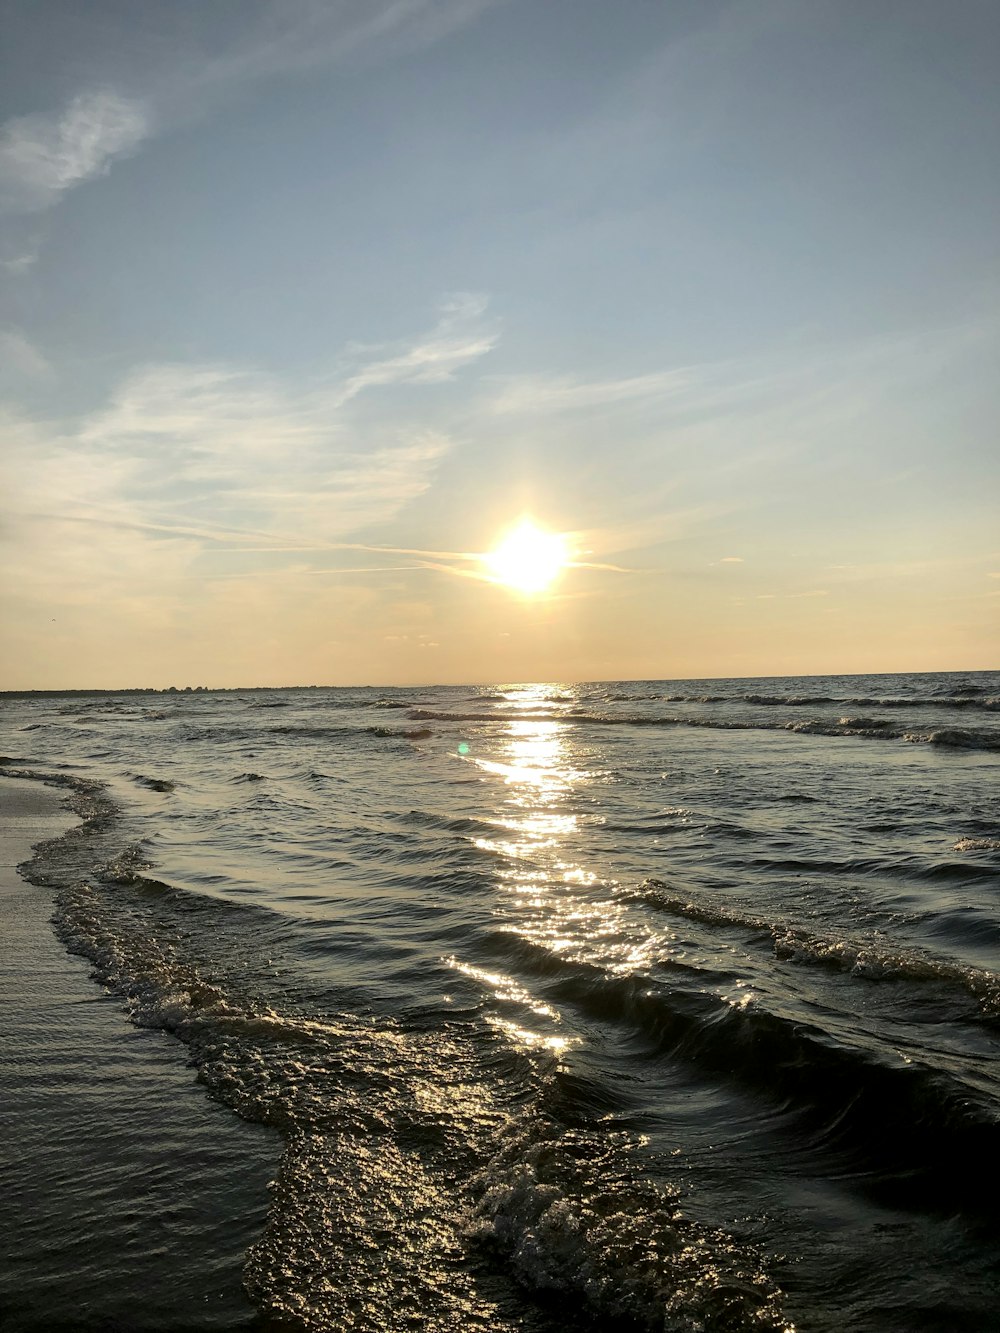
[[528, 559]]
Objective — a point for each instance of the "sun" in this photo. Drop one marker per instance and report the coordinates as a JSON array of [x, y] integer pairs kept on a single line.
[[528, 559]]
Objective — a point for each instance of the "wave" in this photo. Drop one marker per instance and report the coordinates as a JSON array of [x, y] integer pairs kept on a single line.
[[859, 728], [303, 731], [623, 1255], [973, 700], [466, 826], [922, 1133], [962, 738], [154, 784], [386, 733], [872, 960], [410, 1151]]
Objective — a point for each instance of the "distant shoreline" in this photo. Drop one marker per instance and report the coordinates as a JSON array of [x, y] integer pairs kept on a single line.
[[101, 691]]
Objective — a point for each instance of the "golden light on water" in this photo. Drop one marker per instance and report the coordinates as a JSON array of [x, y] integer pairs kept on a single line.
[[535, 758], [528, 559], [552, 902]]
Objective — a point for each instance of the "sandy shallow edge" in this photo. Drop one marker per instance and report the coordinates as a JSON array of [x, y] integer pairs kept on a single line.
[[129, 1196], [30, 812]]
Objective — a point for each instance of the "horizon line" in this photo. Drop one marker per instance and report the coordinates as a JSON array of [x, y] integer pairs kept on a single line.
[[477, 684]]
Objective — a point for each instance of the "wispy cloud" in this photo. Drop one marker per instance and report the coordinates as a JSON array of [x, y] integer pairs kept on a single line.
[[242, 440], [164, 74], [22, 259], [217, 461], [20, 355], [458, 339], [290, 35], [185, 464], [555, 394], [44, 154]]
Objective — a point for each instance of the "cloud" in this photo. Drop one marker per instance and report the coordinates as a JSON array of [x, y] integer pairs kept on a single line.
[[236, 438], [455, 342], [44, 154], [291, 35], [22, 262], [240, 450], [161, 74], [198, 469], [21, 356], [198, 422], [532, 394]]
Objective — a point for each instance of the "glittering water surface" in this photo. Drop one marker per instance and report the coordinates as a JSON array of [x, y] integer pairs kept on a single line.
[[661, 1005]]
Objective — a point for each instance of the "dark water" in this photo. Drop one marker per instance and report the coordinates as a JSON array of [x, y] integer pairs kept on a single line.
[[659, 1005]]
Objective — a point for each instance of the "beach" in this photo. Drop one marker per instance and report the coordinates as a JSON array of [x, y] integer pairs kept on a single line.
[[129, 1197], [663, 1006], [500, 690]]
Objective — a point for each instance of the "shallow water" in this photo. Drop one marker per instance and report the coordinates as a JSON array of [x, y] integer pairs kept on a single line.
[[659, 1005], [128, 1197]]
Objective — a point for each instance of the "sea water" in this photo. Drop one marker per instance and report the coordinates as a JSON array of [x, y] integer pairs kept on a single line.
[[647, 1005]]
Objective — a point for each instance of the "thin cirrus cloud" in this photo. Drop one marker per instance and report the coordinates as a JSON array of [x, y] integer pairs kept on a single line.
[[288, 35], [219, 424], [458, 339], [221, 462], [44, 154], [556, 394], [20, 356]]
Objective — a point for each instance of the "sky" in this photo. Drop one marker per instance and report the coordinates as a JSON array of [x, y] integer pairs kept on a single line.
[[305, 305]]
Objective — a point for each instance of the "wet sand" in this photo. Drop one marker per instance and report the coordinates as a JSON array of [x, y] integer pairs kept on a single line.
[[127, 1196]]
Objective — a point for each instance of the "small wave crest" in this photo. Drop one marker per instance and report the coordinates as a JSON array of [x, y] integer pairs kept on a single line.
[[861, 727], [978, 845], [922, 1131], [154, 784], [571, 1213], [961, 738], [872, 960]]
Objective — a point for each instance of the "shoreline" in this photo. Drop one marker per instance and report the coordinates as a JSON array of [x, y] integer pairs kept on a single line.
[[129, 1195]]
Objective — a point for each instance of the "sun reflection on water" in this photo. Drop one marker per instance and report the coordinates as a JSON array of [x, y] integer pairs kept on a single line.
[[525, 1037], [552, 900]]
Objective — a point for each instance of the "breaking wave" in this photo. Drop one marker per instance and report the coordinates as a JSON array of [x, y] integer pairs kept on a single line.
[[965, 738], [872, 960], [410, 1152]]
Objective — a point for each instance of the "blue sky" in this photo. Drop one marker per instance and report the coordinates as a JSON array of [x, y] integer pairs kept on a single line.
[[305, 304]]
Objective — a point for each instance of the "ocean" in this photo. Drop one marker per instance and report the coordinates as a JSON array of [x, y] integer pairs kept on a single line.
[[659, 1005]]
